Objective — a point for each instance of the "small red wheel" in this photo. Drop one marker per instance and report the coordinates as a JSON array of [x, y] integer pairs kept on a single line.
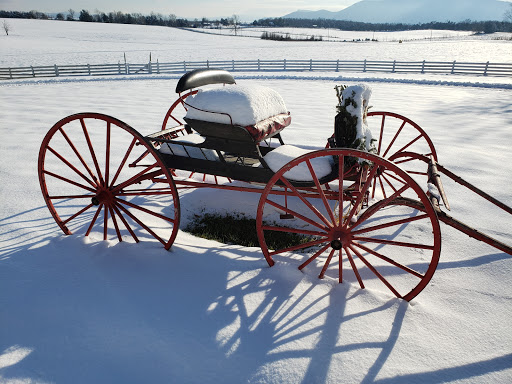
[[177, 111], [98, 174], [389, 243]]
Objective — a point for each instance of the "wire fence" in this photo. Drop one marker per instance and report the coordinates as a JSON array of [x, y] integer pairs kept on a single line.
[[420, 67]]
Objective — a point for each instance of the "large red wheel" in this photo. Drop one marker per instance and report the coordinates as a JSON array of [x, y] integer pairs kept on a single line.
[[177, 111], [99, 176], [388, 244]]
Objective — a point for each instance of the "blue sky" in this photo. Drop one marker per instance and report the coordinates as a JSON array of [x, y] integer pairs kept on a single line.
[[248, 10]]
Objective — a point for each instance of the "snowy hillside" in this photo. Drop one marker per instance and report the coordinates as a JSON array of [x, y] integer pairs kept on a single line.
[[77, 309], [413, 11]]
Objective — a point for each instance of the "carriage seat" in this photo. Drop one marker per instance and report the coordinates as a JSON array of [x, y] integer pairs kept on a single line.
[[260, 110]]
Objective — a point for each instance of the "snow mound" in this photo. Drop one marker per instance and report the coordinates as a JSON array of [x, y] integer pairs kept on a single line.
[[282, 155], [236, 104]]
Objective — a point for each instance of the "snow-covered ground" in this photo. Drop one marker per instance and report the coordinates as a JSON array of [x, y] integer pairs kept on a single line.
[[46, 42], [82, 310]]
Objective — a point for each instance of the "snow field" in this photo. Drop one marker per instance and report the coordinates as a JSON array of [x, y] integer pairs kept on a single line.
[[82, 310]]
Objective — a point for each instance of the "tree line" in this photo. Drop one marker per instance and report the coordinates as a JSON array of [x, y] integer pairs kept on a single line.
[[123, 18], [173, 21], [346, 25]]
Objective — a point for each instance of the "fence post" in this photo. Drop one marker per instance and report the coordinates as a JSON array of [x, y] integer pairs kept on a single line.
[[310, 64], [423, 67], [208, 64], [364, 66], [284, 64], [89, 69], [10, 72], [157, 67], [453, 66], [56, 70], [33, 73], [259, 65], [233, 64], [337, 65], [184, 66], [486, 67]]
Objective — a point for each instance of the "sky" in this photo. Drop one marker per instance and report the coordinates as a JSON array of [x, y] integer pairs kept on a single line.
[[247, 9]]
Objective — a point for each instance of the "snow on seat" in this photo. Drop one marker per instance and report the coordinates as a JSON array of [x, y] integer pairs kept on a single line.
[[260, 110], [282, 155]]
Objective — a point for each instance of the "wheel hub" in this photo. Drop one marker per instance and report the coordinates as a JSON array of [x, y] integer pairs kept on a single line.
[[340, 237], [103, 196]]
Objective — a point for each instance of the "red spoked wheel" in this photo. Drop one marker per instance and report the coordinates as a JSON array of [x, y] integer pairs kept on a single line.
[[99, 176], [177, 111], [388, 244]]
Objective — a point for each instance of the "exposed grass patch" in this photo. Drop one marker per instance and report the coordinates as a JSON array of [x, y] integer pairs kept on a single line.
[[238, 229]]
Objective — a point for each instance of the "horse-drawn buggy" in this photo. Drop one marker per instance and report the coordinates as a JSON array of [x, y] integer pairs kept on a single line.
[[358, 207]]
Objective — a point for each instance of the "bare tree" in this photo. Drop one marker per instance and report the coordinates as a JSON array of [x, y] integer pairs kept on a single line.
[[7, 27], [508, 14], [236, 23], [71, 15]]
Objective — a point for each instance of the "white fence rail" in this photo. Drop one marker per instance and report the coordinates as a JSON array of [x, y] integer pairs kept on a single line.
[[435, 67]]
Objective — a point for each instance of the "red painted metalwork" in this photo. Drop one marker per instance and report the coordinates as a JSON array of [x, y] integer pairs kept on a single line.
[[179, 103], [336, 225], [93, 147]]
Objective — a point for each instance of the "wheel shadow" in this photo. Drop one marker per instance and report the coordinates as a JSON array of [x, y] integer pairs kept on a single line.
[[79, 310]]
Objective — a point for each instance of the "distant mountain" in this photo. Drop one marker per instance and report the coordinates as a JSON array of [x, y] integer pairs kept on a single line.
[[413, 11]]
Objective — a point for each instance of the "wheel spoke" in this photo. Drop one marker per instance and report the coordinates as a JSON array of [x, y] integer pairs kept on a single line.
[[362, 192], [91, 150], [93, 220], [326, 265], [133, 179], [388, 182], [123, 162], [65, 179], [61, 158], [394, 138], [296, 214], [376, 273], [145, 210], [107, 155], [318, 253], [105, 221], [126, 225], [144, 226], [390, 224], [299, 246], [390, 261], [293, 230], [320, 191], [409, 143], [381, 134], [392, 242], [296, 193], [86, 208], [378, 206], [341, 179], [80, 158], [114, 220], [354, 268]]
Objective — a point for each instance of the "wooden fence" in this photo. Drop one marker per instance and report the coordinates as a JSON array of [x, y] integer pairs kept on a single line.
[[432, 67]]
